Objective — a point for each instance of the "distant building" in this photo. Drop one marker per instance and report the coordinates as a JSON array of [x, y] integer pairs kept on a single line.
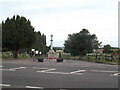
[[99, 51]]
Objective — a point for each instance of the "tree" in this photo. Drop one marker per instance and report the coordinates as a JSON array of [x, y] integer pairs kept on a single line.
[[18, 34], [81, 43], [107, 49], [40, 42], [43, 44]]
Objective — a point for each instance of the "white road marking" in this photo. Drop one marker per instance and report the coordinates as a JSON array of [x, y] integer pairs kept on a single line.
[[38, 68], [54, 72], [115, 74], [18, 68], [6, 69], [77, 71], [12, 69], [34, 87], [61, 73], [1, 66], [5, 85], [101, 71], [41, 68], [48, 70], [74, 72]]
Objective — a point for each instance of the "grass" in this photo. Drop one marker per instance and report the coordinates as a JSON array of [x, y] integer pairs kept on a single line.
[[93, 59], [23, 56], [101, 58], [7, 55], [20, 56]]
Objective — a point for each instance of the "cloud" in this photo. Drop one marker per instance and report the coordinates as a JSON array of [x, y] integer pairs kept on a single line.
[[60, 25], [63, 17], [31, 5]]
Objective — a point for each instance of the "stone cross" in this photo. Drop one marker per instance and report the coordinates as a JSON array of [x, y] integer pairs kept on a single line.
[[51, 47]]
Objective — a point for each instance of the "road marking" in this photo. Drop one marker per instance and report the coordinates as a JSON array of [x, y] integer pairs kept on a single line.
[[5, 85], [77, 71], [61, 73], [1, 66], [34, 87], [101, 71], [54, 72], [13, 69], [115, 74], [18, 68], [38, 68], [6, 69], [48, 70], [41, 68]]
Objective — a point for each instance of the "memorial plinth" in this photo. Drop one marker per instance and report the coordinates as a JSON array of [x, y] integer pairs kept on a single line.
[[51, 53]]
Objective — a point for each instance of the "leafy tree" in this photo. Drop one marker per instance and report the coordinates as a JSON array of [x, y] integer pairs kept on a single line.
[[17, 34], [43, 44], [40, 42], [81, 43], [107, 49], [57, 48]]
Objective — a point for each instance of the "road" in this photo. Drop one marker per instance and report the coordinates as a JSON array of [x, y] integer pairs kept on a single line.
[[50, 74]]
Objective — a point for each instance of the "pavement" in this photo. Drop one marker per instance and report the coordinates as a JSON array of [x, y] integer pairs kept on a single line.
[[64, 75]]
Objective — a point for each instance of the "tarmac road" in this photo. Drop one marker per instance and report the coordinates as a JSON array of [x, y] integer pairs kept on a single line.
[[50, 74]]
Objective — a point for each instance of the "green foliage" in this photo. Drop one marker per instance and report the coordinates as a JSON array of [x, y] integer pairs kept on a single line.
[[107, 49], [100, 59], [40, 42], [23, 56], [81, 43], [17, 34], [57, 48]]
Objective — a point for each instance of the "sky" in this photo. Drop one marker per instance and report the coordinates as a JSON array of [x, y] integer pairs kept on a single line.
[[63, 17]]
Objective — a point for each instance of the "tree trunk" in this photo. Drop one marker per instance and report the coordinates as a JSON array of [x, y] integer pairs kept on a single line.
[[15, 54]]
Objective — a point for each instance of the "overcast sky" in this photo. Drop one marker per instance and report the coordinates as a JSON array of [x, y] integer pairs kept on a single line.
[[63, 17]]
